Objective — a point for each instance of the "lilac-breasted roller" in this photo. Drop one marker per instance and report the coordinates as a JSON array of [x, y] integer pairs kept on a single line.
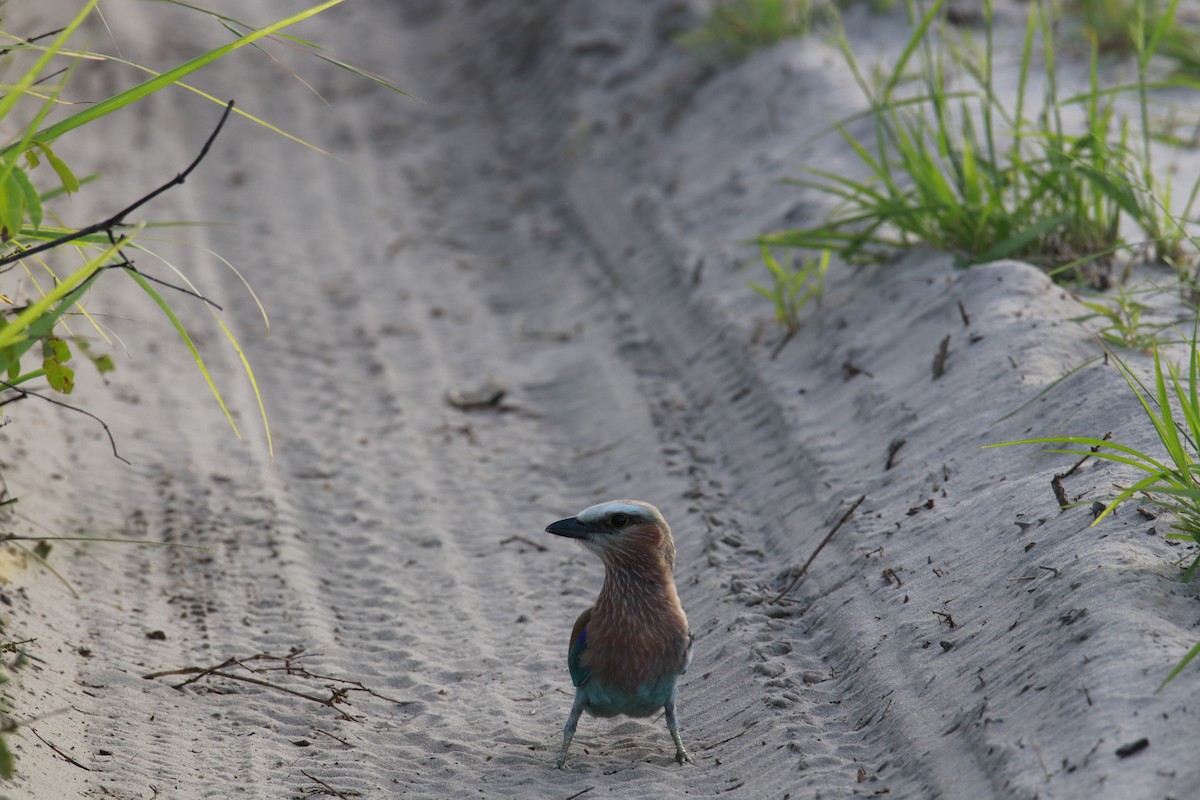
[[629, 649]]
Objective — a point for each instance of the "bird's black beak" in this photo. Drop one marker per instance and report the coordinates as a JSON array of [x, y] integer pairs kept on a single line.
[[571, 527]]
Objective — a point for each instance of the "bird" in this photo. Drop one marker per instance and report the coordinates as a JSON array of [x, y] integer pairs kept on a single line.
[[627, 651]]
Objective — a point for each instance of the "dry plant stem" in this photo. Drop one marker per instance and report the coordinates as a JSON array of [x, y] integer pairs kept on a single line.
[[539, 547], [1079, 463], [729, 739], [338, 739], [330, 702], [329, 789], [337, 694], [58, 751], [23, 393], [820, 547], [787, 337], [1056, 483]]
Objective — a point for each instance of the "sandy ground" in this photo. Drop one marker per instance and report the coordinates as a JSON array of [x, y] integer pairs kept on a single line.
[[561, 215]]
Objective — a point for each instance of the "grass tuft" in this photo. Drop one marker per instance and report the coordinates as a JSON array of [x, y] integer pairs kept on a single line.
[[736, 28], [792, 286], [951, 164], [1123, 322]]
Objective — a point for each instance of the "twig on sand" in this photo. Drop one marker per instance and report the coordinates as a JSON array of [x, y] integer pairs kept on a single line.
[[23, 393], [1056, 483], [327, 789], [820, 547], [728, 739], [289, 665], [56, 750], [541, 548], [581, 794]]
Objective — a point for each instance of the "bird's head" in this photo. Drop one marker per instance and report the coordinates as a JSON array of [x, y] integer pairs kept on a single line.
[[621, 533]]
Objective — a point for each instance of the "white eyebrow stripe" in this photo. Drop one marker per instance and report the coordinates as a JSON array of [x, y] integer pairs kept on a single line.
[[601, 510]]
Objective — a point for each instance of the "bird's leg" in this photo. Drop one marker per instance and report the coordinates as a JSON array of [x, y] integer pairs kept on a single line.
[[569, 728], [681, 755]]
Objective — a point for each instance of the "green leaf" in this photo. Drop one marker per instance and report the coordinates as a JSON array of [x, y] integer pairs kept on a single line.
[[67, 178], [8, 765], [55, 355], [29, 195], [104, 363], [12, 208], [10, 360]]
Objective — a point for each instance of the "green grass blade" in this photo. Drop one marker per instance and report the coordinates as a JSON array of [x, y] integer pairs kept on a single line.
[[1183, 662], [9, 100], [187, 340], [141, 90]]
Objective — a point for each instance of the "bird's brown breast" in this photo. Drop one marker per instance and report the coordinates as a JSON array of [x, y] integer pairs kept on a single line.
[[637, 632]]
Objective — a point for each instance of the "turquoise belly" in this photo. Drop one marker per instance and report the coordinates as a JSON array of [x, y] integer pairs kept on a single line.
[[604, 700]]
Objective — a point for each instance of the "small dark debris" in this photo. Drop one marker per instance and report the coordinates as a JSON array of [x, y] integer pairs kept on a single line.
[[918, 509], [1060, 492], [964, 16], [1071, 616], [302, 743], [1098, 509], [541, 548], [42, 550], [156, 635], [1147, 513], [966, 318], [485, 396], [86, 652], [104, 752], [853, 371], [893, 448], [1030, 546], [1126, 750], [946, 646], [939, 358], [947, 618]]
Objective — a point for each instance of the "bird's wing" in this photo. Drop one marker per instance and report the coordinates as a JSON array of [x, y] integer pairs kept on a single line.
[[579, 673]]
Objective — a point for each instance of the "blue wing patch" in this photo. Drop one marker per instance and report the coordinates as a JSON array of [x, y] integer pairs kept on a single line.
[[579, 673]]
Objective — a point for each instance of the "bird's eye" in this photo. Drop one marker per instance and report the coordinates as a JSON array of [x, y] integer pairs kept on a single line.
[[619, 520]]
